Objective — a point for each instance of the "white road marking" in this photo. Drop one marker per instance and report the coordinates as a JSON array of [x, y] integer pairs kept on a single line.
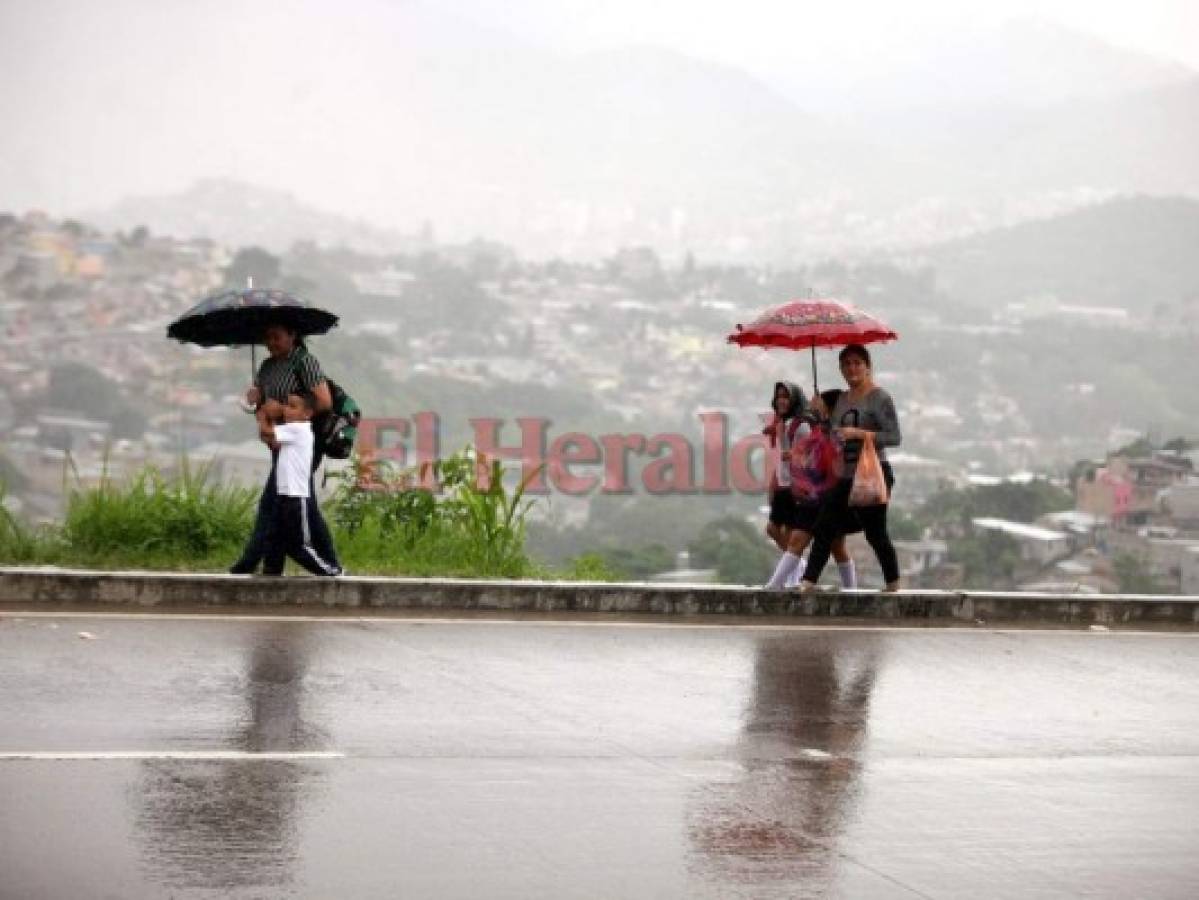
[[203, 755], [950, 626]]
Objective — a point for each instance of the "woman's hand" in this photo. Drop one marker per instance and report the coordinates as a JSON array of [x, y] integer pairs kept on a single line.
[[850, 433], [253, 396], [322, 397]]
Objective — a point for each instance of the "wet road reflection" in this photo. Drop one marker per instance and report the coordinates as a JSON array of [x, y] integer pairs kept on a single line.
[[518, 760], [776, 824], [232, 825]]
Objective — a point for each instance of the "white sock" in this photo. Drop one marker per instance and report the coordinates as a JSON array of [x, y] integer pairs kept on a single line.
[[795, 577], [849, 574], [786, 566]]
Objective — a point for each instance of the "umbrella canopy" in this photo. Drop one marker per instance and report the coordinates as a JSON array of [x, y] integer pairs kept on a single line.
[[811, 323], [801, 324], [235, 318]]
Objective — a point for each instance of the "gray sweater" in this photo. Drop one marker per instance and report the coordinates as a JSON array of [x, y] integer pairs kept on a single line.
[[874, 412]]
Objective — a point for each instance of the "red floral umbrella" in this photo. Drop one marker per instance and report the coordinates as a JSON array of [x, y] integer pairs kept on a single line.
[[811, 323]]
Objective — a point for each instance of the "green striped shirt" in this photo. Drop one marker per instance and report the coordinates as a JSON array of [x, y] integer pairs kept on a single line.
[[297, 373]]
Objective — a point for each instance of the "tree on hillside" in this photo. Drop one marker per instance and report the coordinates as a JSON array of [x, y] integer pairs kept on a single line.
[[639, 562], [80, 388], [1134, 577], [11, 478], [1139, 448], [955, 507], [903, 526], [444, 296], [989, 559], [736, 549], [1179, 445], [256, 263]]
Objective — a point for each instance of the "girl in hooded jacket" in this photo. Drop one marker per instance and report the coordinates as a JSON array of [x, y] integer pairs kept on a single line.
[[798, 482]]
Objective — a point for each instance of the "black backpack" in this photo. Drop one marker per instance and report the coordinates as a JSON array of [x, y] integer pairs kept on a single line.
[[337, 429]]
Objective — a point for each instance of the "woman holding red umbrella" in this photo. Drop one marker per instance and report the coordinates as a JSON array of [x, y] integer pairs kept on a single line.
[[813, 322], [863, 413]]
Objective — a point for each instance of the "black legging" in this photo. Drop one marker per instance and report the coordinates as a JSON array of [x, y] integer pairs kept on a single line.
[[829, 524]]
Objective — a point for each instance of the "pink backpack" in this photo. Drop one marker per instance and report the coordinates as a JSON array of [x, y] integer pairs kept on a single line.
[[815, 460]]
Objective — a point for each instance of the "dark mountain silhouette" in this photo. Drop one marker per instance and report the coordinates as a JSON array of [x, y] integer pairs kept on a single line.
[[1131, 252], [240, 215]]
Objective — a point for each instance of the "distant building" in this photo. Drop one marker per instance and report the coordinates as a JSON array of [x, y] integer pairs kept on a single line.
[[921, 476], [390, 282], [1161, 549], [1089, 570], [1125, 491], [918, 557], [1101, 316], [1085, 529], [925, 564], [1037, 545], [682, 573], [1058, 587], [1180, 503], [90, 266]]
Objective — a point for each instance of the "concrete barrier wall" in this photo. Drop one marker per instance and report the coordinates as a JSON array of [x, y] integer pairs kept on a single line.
[[37, 587]]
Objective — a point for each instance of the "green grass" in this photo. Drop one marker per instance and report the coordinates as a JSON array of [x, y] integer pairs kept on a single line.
[[156, 521], [22, 544], [382, 522], [150, 521]]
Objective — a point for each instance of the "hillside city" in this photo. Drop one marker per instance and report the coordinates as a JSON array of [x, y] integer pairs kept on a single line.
[[1045, 425]]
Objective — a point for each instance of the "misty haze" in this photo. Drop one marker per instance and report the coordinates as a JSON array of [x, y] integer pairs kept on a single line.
[[477, 450], [560, 212]]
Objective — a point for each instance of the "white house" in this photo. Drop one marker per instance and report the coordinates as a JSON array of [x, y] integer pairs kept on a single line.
[[1037, 545], [918, 557]]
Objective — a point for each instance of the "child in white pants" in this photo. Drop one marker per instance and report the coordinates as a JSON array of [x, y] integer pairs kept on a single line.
[[288, 535]]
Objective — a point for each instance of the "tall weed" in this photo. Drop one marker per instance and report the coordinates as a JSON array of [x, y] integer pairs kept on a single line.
[[20, 543], [154, 519], [473, 525]]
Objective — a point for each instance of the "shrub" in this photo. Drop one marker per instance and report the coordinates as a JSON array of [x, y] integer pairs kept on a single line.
[[186, 520], [385, 521]]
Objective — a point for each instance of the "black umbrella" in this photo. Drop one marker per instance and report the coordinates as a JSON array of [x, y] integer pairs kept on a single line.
[[237, 318]]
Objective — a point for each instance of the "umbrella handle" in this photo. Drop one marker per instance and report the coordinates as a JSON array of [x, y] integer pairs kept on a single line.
[[245, 407]]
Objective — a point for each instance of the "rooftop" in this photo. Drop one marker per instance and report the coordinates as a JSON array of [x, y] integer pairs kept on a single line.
[[1020, 529]]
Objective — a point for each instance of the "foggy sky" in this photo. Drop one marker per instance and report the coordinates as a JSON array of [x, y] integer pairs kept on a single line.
[[330, 101], [761, 35]]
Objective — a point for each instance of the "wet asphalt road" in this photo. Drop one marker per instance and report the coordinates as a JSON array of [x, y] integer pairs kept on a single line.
[[208, 757]]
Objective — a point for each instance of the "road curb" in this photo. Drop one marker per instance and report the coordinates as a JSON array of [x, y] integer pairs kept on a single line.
[[74, 588]]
